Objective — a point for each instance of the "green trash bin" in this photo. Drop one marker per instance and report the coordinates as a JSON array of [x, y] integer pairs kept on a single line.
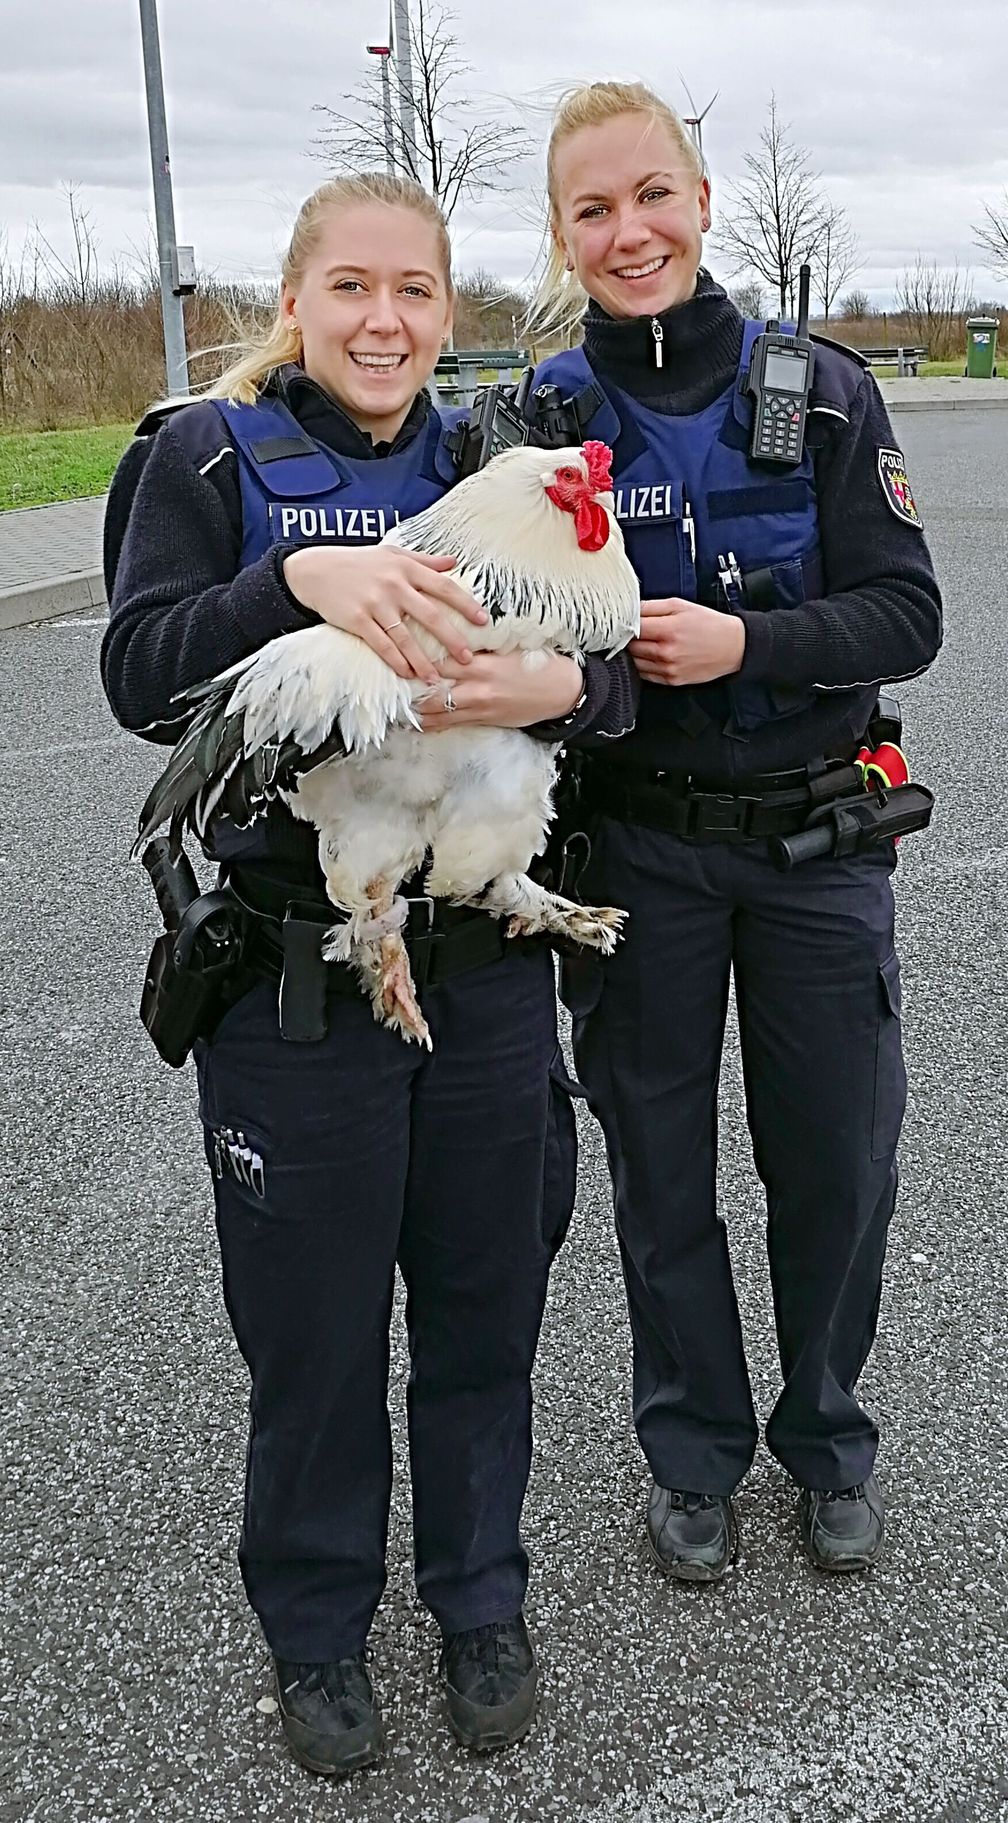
[[981, 347]]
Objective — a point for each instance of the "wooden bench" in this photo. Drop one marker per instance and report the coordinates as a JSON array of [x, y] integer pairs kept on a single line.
[[905, 360], [461, 372]]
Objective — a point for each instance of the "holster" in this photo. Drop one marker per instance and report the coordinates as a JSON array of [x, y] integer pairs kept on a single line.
[[195, 969]]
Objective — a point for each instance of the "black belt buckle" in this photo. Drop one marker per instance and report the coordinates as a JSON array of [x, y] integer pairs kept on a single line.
[[420, 938], [716, 814]]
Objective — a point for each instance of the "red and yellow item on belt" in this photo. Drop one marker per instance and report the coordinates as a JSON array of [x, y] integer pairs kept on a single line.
[[883, 765]]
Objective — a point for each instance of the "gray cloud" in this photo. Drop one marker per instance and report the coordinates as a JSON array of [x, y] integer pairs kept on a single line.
[[901, 112]]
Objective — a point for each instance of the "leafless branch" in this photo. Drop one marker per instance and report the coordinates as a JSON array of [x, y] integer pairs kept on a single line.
[[992, 236], [934, 301], [835, 257], [461, 151], [775, 216]]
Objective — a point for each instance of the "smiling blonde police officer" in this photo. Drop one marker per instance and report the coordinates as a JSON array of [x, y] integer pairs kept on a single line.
[[337, 1153], [777, 596]]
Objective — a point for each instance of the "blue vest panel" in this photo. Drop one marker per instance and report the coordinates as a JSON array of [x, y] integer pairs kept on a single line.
[[687, 496], [295, 491]]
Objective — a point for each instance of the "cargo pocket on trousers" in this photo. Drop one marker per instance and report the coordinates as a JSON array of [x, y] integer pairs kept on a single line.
[[561, 1155], [890, 1072]]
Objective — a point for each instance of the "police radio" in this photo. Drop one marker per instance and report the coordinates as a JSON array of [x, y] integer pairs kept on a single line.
[[498, 421], [780, 380], [495, 423]]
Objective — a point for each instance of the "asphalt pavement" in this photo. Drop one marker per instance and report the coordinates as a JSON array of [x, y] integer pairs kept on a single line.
[[133, 1681]]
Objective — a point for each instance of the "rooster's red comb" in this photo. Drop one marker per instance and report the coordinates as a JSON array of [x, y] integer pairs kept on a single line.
[[599, 459]]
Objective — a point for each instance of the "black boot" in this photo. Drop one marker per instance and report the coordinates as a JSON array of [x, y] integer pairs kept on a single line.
[[329, 1714], [490, 1678], [691, 1536], [845, 1529]]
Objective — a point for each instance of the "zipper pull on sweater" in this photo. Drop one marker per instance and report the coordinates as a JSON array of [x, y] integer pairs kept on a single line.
[[658, 332]]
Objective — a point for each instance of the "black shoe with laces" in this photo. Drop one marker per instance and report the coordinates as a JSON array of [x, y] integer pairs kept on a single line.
[[329, 1714], [843, 1529], [490, 1678], [691, 1536]]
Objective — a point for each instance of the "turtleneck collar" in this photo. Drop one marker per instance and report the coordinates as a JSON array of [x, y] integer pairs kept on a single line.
[[700, 343], [324, 418]]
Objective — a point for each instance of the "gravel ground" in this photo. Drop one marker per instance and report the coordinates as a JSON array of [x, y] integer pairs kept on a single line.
[[134, 1682]]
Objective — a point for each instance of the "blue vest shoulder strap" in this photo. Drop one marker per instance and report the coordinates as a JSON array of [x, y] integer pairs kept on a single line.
[[290, 464], [284, 458]]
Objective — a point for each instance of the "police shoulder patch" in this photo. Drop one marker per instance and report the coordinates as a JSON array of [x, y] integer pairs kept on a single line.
[[895, 484]]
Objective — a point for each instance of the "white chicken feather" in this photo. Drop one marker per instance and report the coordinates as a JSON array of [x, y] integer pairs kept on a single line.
[[317, 719]]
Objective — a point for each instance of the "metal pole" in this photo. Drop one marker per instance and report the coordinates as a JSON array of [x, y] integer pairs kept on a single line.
[[383, 53], [387, 117], [176, 369], [404, 72]]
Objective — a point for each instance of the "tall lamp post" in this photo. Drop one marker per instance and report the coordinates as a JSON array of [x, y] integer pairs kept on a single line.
[[383, 52], [407, 101], [178, 276]]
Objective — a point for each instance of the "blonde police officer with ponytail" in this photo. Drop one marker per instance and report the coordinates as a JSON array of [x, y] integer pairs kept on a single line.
[[246, 515], [776, 600]]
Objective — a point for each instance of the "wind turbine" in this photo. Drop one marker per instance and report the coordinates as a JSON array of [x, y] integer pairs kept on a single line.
[[695, 120]]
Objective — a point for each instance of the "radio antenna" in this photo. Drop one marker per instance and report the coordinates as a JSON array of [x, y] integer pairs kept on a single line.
[[804, 281]]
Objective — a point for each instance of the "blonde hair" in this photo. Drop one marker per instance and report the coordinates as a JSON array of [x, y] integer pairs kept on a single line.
[[559, 300], [242, 381]]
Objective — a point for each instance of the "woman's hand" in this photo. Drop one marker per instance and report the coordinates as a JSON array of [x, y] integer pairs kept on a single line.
[[376, 592], [682, 642], [500, 690]]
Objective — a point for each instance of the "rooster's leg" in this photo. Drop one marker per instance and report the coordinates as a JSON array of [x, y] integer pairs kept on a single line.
[[372, 943], [530, 910], [398, 993]]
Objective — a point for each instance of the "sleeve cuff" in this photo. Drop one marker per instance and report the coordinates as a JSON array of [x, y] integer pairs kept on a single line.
[[589, 705], [301, 616], [755, 666]]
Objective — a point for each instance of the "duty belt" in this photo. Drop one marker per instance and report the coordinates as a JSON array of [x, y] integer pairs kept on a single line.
[[287, 923], [711, 810]]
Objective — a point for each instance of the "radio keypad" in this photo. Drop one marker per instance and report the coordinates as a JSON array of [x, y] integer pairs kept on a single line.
[[780, 427]]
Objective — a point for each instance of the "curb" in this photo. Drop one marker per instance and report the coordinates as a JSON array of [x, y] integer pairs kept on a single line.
[[946, 404], [49, 599]]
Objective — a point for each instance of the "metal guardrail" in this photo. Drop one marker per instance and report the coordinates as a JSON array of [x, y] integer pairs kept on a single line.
[[461, 372], [905, 360]]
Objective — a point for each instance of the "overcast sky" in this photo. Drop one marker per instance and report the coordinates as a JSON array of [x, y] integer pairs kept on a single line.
[[903, 109]]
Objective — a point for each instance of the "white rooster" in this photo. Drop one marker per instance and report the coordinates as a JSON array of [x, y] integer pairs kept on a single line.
[[317, 719]]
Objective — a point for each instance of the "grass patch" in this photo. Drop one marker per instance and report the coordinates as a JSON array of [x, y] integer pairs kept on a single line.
[[38, 467]]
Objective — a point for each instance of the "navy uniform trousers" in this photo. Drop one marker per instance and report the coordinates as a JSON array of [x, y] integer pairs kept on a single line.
[[333, 1161], [817, 990]]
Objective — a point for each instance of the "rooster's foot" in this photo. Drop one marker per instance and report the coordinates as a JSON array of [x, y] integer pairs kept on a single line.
[[593, 926], [394, 996]]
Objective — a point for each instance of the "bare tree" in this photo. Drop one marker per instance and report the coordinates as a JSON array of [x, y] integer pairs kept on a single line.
[[835, 257], [855, 305], [487, 311], [460, 149], [748, 298], [775, 216], [934, 301], [992, 236]]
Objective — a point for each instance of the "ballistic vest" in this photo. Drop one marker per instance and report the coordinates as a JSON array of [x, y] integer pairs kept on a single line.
[[296, 491], [688, 497]]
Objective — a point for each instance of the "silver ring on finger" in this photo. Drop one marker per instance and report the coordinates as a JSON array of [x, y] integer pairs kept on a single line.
[[450, 703], [393, 625]]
